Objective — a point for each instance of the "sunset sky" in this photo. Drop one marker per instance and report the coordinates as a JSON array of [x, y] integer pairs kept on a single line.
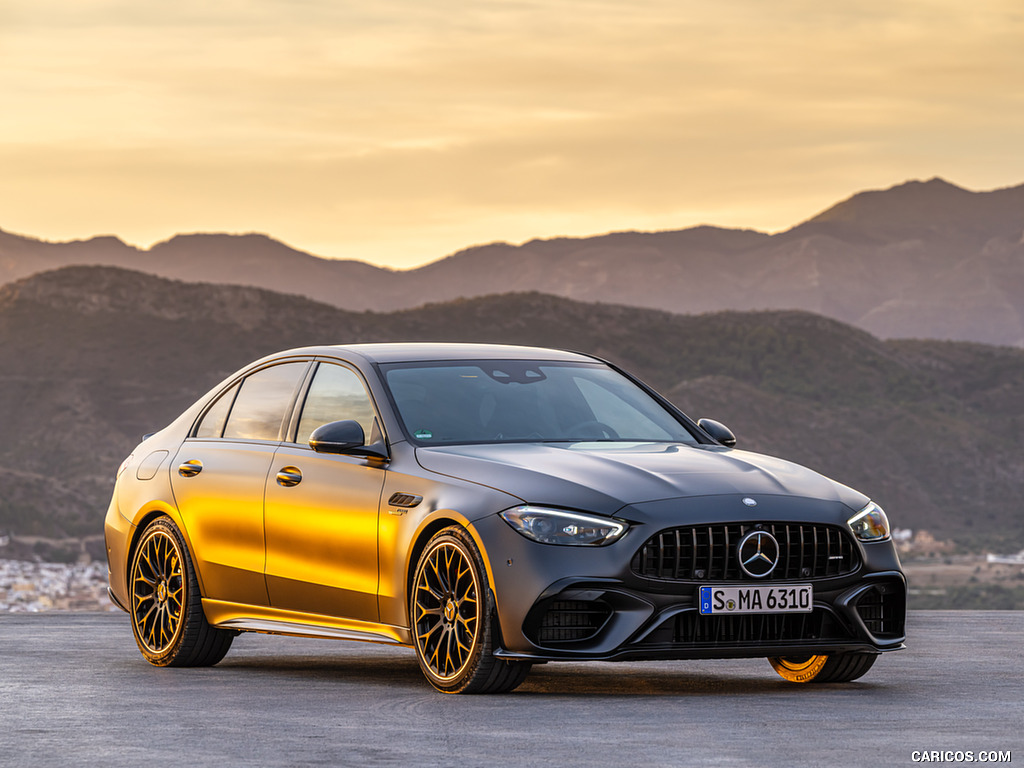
[[398, 131]]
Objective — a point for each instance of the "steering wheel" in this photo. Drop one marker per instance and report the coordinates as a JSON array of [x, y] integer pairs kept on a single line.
[[604, 431]]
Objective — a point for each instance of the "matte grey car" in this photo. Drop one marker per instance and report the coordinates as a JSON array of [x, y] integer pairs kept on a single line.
[[491, 507]]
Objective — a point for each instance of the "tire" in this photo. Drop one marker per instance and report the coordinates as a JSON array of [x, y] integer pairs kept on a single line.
[[832, 668], [454, 621], [167, 612]]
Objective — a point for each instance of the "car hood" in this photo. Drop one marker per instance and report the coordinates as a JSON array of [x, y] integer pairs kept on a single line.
[[604, 477]]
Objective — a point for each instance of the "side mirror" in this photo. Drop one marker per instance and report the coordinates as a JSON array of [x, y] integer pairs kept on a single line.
[[345, 438], [718, 431]]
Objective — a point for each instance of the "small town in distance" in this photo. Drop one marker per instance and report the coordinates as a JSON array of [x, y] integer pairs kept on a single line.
[[934, 570]]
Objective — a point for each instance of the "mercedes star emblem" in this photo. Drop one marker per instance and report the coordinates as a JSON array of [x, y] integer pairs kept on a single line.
[[758, 553]]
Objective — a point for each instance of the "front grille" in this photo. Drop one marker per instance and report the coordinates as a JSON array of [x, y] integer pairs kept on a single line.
[[691, 628], [883, 609], [708, 552], [567, 621]]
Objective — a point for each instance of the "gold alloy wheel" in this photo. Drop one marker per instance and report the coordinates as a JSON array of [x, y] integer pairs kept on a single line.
[[446, 609], [158, 591], [802, 669]]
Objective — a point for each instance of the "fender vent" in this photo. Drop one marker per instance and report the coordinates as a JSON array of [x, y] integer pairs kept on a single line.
[[404, 500]]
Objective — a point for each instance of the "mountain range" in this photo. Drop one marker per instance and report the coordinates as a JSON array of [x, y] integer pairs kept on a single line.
[[918, 260], [93, 357]]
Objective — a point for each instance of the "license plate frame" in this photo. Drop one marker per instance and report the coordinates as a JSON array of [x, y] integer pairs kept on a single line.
[[735, 599]]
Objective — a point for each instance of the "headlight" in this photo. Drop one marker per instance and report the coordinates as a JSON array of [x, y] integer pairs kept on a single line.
[[870, 524], [574, 529]]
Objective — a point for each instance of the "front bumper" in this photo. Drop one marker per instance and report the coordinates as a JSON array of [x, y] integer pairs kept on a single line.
[[586, 620], [588, 603]]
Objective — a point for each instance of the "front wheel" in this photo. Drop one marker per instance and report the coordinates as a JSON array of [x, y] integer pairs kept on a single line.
[[830, 668], [454, 622], [167, 613]]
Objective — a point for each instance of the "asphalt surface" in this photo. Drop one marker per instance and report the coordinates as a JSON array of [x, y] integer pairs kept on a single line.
[[75, 691]]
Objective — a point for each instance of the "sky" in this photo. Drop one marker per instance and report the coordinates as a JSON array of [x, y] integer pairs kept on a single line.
[[400, 131]]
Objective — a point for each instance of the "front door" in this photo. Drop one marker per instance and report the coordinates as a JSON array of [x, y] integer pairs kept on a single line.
[[321, 510]]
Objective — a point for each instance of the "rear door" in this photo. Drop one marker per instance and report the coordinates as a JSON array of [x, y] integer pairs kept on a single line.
[[219, 476]]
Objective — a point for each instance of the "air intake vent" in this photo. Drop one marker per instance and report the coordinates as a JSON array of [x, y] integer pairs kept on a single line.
[[883, 609], [690, 628], [567, 621]]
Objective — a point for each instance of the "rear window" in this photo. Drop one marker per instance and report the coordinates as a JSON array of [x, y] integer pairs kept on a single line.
[[263, 401], [216, 417]]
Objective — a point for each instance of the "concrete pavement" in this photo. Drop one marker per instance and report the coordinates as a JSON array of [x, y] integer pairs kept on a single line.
[[75, 691]]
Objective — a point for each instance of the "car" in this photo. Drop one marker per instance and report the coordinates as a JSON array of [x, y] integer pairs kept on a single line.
[[492, 507]]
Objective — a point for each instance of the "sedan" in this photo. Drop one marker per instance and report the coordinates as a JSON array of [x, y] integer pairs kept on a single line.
[[491, 507]]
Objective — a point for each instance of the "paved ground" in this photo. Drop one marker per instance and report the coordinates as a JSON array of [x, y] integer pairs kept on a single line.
[[75, 691]]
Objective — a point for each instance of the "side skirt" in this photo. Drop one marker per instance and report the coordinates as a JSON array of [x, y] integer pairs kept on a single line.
[[273, 621]]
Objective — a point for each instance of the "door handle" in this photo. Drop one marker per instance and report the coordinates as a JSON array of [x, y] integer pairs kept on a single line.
[[289, 476], [190, 468]]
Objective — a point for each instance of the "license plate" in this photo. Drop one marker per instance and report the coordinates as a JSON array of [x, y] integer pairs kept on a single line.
[[796, 598]]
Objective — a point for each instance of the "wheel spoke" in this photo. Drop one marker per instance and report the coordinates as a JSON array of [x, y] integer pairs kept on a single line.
[[468, 595], [424, 612], [426, 587], [464, 647], [427, 632], [450, 559], [450, 665], [149, 612], [462, 571], [155, 559], [143, 589], [147, 621], [146, 570], [436, 567], [469, 622], [165, 626], [435, 655]]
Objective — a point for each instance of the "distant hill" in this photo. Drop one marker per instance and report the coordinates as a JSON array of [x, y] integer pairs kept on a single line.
[[91, 358], [919, 260]]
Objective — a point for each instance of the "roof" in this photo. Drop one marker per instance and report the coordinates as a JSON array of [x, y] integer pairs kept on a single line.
[[404, 352]]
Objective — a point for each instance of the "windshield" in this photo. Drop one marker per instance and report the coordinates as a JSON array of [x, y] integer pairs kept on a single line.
[[495, 401]]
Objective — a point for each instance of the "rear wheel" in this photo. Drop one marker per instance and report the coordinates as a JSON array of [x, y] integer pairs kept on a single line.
[[454, 622], [167, 613], [831, 668]]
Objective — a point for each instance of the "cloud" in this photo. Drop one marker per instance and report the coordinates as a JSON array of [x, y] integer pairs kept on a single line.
[[382, 127]]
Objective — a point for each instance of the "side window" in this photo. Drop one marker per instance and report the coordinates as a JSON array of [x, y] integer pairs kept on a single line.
[[262, 402], [336, 393], [212, 424]]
